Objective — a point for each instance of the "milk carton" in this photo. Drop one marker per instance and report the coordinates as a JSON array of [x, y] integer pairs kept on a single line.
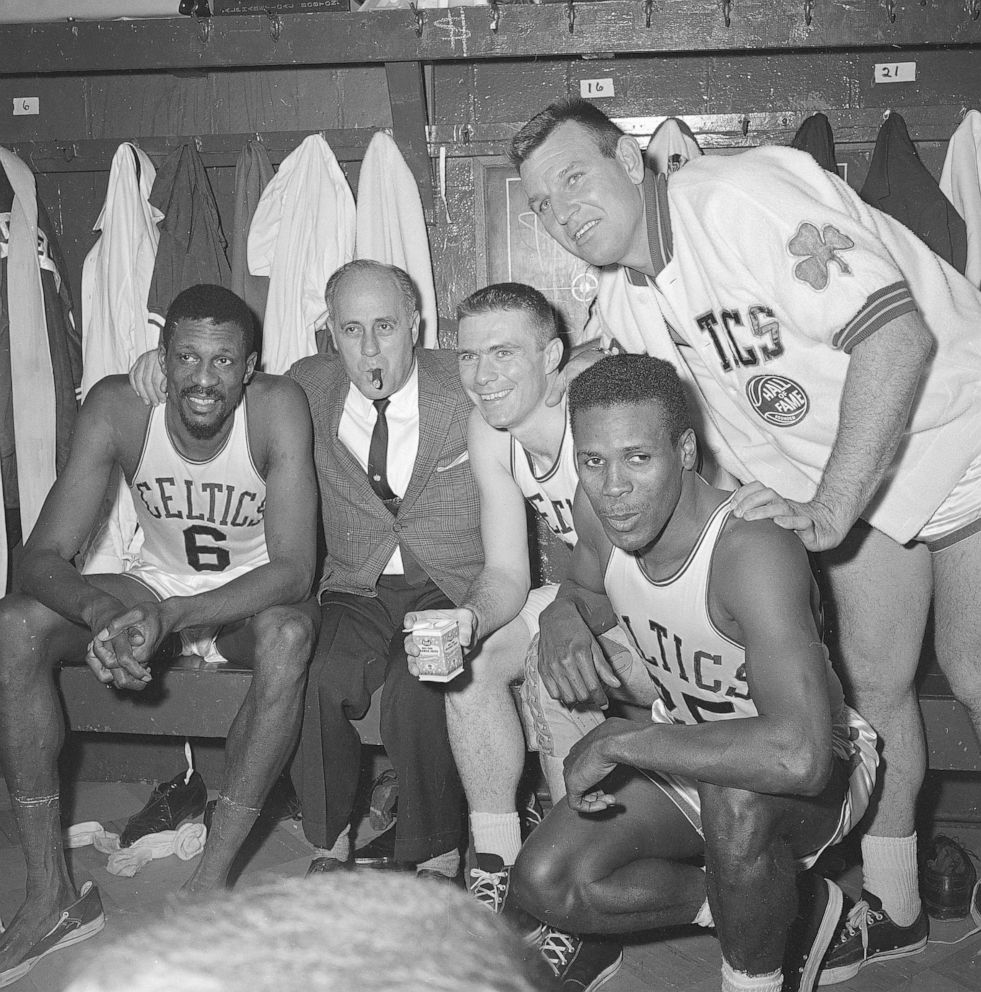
[[440, 656]]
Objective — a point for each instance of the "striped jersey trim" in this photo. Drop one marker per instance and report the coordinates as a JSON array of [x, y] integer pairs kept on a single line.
[[659, 237], [880, 308]]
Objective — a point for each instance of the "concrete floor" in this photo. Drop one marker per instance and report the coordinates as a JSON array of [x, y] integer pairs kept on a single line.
[[685, 959]]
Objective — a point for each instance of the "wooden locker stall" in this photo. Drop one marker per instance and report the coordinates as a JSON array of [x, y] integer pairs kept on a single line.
[[454, 85]]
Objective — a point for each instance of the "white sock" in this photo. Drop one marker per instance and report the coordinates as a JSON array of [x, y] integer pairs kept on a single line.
[[497, 833], [341, 849], [739, 981], [446, 864], [889, 871]]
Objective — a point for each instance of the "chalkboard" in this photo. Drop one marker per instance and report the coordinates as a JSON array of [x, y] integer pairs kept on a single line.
[[518, 249]]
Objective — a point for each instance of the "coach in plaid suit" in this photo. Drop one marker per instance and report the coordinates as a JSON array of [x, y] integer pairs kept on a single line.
[[400, 516]]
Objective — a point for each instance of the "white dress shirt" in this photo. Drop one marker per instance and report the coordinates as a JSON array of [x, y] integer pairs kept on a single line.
[[358, 422]]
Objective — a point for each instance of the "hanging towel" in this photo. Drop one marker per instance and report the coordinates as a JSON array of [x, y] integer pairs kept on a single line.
[[303, 229], [671, 146], [117, 272], [253, 173], [391, 224], [814, 136], [900, 185], [960, 182], [192, 243], [40, 394]]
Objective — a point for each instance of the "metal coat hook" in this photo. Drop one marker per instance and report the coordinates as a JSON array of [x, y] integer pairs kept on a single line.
[[648, 11], [204, 29], [886, 113], [420, 22], [744, 124], [891, 11], [974, 9], [275, 25], [495, 16], [726, 11], [69, 151], [808, 12], [570, 14], [198, 144]]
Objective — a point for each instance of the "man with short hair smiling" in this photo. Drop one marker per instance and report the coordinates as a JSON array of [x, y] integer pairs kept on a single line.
[[225, 493], [750, 760]]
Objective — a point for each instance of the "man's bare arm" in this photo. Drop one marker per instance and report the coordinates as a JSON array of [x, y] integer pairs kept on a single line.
[[68, 515], [572, 665]]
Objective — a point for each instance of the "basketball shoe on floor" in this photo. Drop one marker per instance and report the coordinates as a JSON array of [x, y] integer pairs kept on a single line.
[[819, 908], [84, 918], [866, 934], [490, 885], [947, 879], [169, 805], [579, 964]]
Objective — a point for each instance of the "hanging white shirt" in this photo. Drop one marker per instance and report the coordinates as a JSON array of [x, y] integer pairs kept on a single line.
[[302, 231], [117, 271], [392, 226], [960, 182]]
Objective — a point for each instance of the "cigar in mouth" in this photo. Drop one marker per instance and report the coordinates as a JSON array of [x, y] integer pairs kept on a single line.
[[376, 378]]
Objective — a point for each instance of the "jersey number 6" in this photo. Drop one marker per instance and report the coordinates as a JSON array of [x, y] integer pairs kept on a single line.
[[205, 557]]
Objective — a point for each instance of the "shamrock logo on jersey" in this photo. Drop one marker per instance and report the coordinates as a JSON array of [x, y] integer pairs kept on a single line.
[[819, 249]]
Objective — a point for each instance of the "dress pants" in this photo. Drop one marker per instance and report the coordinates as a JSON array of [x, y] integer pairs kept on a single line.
[[361, 648]]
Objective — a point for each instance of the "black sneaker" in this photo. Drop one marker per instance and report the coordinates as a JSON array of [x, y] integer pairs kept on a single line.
[[818, 913], [491, 887], [169, 805], [866, 933], [579, 964], [84, 918], [530, 815], [947, 879]]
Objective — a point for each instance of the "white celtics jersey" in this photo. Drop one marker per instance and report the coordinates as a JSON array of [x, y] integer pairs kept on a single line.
[[202, 519], [550, 492], [700, 673]]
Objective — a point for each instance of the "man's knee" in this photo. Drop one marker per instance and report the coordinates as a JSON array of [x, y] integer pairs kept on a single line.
[[544, 882], [284, 639], [24, 625], [740, 828]]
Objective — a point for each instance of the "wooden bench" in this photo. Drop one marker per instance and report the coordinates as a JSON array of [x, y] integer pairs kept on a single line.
[[189, 698], [194, 699]]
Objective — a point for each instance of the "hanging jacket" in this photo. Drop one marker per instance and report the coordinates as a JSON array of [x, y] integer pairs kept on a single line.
[[192, 244], [960, 182], [814, 137], [117, 272], [900, 185], [40, 351], [672, 145], [253, 173], [303, 229], [391, 225]]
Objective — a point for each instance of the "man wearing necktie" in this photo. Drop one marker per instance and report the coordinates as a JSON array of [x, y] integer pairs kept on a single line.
[[400, 517]]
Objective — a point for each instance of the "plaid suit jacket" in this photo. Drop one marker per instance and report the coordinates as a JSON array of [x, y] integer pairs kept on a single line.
[[438, 520]]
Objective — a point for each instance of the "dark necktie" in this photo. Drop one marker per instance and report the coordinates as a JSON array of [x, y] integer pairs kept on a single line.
[[378, 454]]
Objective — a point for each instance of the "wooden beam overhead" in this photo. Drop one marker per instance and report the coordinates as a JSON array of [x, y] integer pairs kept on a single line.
[[500, 31]]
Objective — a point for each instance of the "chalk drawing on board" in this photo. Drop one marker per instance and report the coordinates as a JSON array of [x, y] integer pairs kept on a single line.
[[534, 258]]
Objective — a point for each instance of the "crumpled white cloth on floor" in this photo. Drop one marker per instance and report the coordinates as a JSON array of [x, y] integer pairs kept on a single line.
[[187, 842]]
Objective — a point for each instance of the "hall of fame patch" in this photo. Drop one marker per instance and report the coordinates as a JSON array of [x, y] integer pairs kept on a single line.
[[778, 400]]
